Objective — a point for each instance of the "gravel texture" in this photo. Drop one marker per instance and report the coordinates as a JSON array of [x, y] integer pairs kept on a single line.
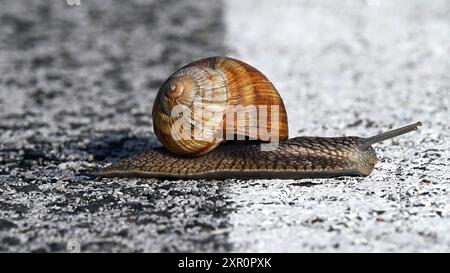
[[76, 90]]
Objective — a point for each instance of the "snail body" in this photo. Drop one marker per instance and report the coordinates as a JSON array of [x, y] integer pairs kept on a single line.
[[295, 158], [197, 97]]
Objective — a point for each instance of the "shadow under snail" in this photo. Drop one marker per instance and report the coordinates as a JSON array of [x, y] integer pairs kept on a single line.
[[196, 100]]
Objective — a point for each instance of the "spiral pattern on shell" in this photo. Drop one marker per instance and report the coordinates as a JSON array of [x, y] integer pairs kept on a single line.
[[191, 112]]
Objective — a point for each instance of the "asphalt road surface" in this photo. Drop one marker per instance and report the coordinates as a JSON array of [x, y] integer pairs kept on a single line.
[[77, 85]]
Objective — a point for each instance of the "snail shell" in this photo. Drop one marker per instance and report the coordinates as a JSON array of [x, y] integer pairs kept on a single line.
[[191, 110]]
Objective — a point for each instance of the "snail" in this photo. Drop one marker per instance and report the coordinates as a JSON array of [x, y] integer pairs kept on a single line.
[[191, 118]]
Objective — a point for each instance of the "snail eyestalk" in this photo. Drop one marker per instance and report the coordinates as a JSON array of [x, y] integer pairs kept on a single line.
[[366, 142]]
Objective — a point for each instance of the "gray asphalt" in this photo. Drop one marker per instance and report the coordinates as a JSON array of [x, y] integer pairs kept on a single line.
[[77, 85]]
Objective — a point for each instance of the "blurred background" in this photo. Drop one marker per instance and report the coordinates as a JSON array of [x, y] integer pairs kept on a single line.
[[77, 83]]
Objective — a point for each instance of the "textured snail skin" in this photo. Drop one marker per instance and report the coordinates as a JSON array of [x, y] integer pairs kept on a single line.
[[295, 158]]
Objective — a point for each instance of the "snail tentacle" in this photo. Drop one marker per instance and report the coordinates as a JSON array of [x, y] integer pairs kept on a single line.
[[366, 142]]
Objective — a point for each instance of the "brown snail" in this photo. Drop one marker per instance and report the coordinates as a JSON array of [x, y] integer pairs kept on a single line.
[[191, 117]]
